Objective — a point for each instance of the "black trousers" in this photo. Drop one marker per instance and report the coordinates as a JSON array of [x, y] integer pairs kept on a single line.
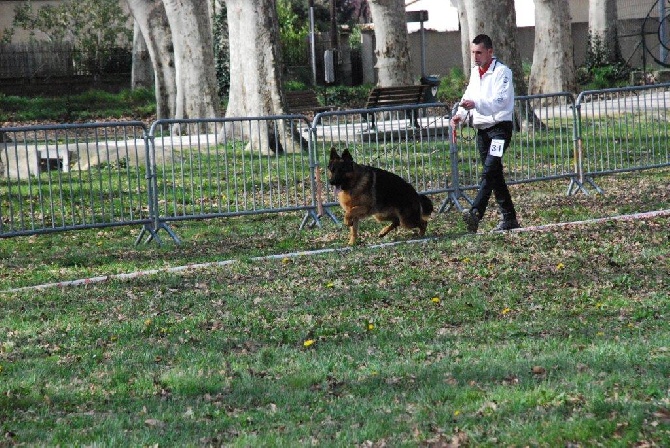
[[493, 180]]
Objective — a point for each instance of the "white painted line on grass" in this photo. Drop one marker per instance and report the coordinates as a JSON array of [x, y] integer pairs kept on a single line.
[[196, 266]]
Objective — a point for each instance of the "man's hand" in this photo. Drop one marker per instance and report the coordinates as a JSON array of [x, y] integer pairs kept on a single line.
[[467, 104], [455, 120]]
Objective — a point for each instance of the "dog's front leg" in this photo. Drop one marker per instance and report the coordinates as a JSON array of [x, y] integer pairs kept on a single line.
[[355, 214], [353, 231]]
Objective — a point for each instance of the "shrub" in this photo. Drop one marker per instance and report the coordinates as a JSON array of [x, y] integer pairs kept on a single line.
[[601, 71]]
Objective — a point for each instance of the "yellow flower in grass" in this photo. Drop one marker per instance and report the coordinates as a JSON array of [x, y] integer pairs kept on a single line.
[[371, 326], [308, 343], [435, 300], [560, 266]]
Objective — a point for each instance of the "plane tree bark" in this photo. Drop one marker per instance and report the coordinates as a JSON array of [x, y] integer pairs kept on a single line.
[[151, 19], [256, 75], [195, 74], [603, 29], [255, 58], [553, 67], [498, 20], [392, 44]]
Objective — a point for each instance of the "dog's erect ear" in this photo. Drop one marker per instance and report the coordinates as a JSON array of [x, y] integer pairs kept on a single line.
[[346, 155], [333, 154]]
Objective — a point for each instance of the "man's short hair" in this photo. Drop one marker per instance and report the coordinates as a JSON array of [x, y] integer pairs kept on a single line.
[[483, 39]]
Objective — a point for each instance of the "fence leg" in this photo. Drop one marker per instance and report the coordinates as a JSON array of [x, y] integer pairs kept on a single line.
[[316, 222], [595, 186], [453, 199], [170, 232], [576, 186], [153, 234], [456, 193], [316, 218]]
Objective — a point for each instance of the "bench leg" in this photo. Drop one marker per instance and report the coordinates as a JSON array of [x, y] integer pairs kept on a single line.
[[415, 118], [367, 118]]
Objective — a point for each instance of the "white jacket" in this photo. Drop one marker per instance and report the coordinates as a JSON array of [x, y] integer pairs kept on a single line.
[[493, 95]]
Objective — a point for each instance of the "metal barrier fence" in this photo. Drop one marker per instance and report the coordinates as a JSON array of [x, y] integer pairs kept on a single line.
[[67, 177], [623, 129], [542, 146], [70, 177], [230, 167]]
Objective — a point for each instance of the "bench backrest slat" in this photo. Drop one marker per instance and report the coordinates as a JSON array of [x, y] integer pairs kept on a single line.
[[395, 96], [303, 100]]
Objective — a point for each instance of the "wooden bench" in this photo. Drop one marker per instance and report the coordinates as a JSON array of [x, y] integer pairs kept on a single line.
[[300, 101], [396, 96]]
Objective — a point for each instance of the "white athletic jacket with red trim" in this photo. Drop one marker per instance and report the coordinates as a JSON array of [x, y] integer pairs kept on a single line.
[[493, 95]]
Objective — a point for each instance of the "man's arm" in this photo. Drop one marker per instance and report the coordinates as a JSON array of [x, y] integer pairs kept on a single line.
[[502, 94], [466, 103]]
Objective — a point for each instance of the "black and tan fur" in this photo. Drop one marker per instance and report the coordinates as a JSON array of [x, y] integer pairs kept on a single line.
[[368, 191]]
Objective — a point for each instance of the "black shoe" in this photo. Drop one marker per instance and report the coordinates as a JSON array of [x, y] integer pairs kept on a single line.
[[472, 218], [507, 225]]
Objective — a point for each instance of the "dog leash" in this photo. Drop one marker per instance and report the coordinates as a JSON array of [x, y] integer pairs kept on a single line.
[[460, 129]]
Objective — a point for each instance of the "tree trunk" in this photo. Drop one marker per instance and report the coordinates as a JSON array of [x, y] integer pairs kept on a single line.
[[392, 46], [142, 76], [150, 17], [194, 59], [498, 20], [465, 36], [603, 28], [255, 59], [256, 73], [553, 67]]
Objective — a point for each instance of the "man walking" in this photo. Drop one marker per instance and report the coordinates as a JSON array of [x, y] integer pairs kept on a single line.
[[489, 100]]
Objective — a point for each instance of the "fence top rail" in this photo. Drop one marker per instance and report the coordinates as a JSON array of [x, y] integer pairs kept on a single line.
[[370, 110], [568, 95], [169, 121], [52, 127], [584, 94]]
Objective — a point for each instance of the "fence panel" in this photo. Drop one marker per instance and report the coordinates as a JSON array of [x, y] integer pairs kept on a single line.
[[624, 129], [65, 177], [410, 141], [75, 176], [232, 166], [542, 145]]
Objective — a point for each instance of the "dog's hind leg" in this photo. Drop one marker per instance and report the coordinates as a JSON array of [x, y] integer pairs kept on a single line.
[[395, 222], [422, 227]]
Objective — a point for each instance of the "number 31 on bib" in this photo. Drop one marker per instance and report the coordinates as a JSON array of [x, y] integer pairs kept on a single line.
[[496, 148]]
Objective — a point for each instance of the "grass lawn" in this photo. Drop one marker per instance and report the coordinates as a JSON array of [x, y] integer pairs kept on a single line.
[[538, 338]]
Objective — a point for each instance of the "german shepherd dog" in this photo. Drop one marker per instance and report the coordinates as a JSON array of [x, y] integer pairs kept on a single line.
[[368, 191]]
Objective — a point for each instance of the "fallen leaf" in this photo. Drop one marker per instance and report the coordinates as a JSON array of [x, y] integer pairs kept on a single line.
[[154, 423], [662, 414]]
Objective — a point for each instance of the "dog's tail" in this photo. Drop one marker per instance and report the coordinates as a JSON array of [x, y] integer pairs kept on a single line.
[[426, 206]]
